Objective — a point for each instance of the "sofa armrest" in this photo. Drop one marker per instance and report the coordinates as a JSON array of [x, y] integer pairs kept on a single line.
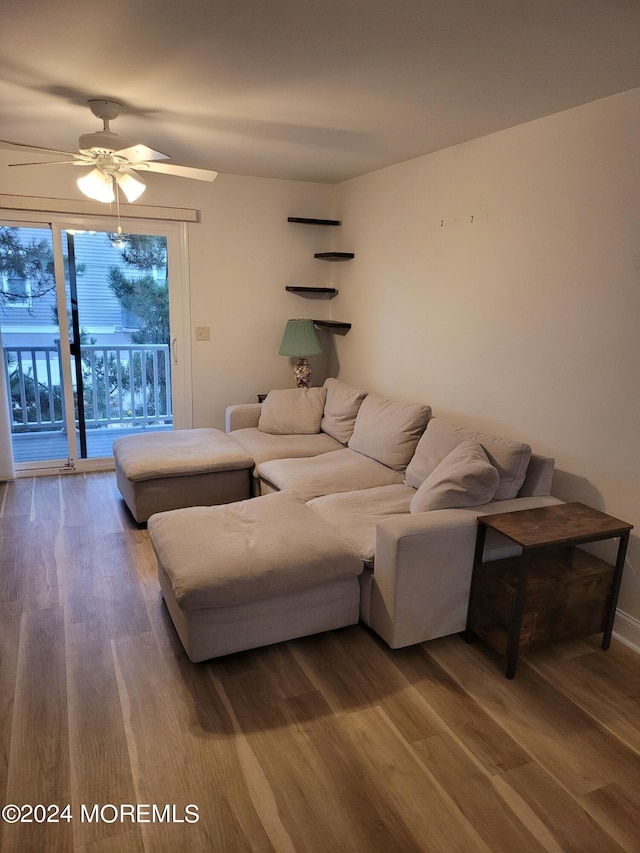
[[242, 416], [423, 566]]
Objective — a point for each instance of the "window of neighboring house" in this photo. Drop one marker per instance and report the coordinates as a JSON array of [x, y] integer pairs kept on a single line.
[[17, 291]]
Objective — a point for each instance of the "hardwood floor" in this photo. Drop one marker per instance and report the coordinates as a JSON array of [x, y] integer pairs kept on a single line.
[[328, 743]]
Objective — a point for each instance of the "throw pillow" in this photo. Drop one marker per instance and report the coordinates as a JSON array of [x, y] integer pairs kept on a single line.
[[292, 411], [340, 409], [388, 430], [510, 458], [464, 478]]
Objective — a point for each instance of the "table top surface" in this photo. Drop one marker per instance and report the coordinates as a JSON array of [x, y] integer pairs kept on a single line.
[[561, 524]]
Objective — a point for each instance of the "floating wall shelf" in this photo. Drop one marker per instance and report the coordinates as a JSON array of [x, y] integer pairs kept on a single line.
[[303, 220], [332, 324], [320, 292], [334, 256]]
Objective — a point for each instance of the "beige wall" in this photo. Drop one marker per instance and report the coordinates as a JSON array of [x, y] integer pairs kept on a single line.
[[499, 281]]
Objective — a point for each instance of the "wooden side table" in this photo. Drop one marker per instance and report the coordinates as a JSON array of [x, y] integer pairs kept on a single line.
[[553, 590]]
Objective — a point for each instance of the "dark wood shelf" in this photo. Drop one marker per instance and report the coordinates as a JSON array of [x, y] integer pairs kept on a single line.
[[328, 292], [334, 256], [332, 324], [303, 220]]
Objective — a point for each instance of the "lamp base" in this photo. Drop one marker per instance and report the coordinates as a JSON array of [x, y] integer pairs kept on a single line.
[[302, 372]]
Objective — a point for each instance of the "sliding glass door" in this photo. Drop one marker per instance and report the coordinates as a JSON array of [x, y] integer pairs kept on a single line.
[[90, 348]]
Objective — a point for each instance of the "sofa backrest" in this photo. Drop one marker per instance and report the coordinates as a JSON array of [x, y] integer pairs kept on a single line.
[[341, 409], [292, 411], [511, 458], [388, 430], [539, 476]]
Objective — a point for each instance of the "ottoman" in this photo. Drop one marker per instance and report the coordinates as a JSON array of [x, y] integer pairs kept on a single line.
[[161, 471], [252, 573]]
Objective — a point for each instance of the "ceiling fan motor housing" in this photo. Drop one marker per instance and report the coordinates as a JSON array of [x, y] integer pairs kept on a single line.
[[102, 140]]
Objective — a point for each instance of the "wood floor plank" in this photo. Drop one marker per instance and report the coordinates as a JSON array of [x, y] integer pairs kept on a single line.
[[570, 745], [38, 768], [162, 774], [129, 841], [347, 668], [486, 740], [472, 789], [10, 618], [100, 768], [619, 697], [617, 812], [571, 826], [18, 498]]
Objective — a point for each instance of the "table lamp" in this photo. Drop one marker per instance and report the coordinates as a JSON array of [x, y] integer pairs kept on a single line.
[[300, 340]]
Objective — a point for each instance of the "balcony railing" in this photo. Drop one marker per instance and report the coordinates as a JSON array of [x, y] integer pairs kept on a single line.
[[122, 386]]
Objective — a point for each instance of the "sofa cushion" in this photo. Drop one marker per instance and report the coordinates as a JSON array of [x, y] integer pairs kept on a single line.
[[511, 458], [229, 555], [388, 430], [355, 515], [292, 411], [340, 409], [178, 453], [339, 471], [263, 446], [465, 477]]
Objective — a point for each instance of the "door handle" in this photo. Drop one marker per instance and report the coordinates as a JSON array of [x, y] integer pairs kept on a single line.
[[174, 350]]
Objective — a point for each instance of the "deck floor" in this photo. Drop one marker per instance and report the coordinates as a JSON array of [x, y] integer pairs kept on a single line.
[[45, 446]]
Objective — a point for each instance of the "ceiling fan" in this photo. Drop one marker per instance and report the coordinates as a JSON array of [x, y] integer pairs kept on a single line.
[[115, 161]]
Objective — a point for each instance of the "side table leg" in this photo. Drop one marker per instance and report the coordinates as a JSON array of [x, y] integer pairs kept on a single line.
[[615, 589], [469, 636], [513, 640]]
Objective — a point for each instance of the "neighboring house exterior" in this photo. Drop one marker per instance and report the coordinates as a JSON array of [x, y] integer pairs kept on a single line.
[[31, 322]]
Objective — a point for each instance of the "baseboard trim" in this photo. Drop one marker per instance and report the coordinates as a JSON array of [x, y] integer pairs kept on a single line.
[[627, 630]]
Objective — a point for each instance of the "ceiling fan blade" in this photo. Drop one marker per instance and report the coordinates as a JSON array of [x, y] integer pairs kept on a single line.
[[5, 143], [138, 153], [179, 171], [51, 163]]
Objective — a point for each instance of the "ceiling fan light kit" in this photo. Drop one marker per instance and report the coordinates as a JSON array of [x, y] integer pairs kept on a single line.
[[113, 159], [97, 185]]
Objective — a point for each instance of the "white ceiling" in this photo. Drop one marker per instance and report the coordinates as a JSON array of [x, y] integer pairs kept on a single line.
[[318, 90]]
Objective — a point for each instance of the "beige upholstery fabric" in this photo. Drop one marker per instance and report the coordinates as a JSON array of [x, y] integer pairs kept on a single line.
[[511, 458], [215, 631], [340, 471], [230, 555], [160, 494], [355, 515], [178, 453], [340, 409], [465, 477], [388, 430], [262, 446], [292, 411], [162, 471]]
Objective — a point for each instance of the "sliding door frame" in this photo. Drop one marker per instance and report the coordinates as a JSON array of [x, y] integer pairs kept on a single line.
[[176, 234]]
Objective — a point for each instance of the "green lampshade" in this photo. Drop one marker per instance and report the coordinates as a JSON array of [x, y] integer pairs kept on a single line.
[[300, 339]]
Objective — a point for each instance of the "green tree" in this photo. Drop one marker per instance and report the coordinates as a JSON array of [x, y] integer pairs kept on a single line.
[[145, 294], [22, 262], [148, 300]]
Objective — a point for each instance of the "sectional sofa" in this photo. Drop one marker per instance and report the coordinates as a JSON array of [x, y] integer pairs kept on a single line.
[[402, 487]]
